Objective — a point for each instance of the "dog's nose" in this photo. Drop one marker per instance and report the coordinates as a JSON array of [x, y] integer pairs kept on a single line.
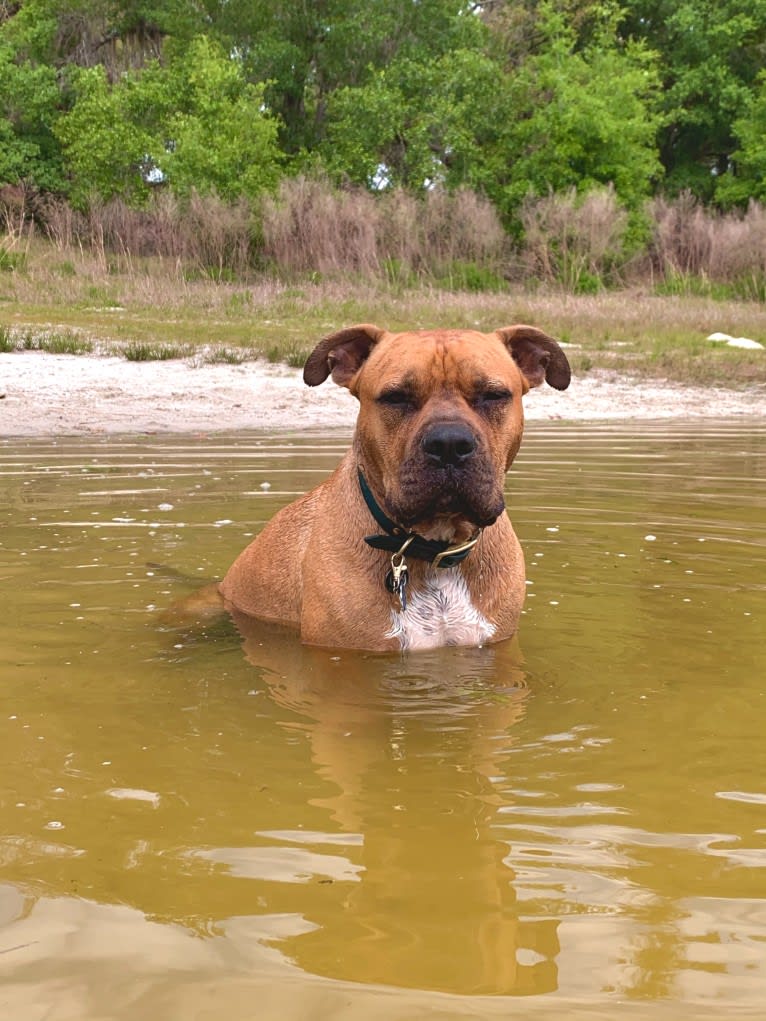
[[449, 444]]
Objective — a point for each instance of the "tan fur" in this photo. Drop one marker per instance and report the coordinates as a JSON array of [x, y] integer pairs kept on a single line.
[[310, 568]]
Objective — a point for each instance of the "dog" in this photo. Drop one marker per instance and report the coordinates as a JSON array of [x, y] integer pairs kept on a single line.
[[407, 545]]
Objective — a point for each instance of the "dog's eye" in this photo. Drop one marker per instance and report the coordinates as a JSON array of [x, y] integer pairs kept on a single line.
[[494, 397], [396, 398]]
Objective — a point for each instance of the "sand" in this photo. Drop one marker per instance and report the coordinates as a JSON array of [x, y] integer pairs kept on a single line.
[[49, 395]]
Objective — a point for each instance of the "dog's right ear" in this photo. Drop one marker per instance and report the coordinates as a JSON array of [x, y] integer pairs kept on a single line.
[[341, 354]]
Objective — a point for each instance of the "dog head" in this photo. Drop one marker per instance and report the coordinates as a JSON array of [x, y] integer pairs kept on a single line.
[[440, 416]]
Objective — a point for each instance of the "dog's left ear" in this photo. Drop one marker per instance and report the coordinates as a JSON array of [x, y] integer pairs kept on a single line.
[[341, 354], [537, 355]]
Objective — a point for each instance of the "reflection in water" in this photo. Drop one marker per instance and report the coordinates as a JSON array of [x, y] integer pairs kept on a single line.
[[182, 824], [412, 746]]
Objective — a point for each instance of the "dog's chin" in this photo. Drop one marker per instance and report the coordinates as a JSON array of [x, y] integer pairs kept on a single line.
[[449, 514]]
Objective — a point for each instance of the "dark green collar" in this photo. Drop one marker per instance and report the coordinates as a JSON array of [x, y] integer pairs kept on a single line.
[[434, 551]]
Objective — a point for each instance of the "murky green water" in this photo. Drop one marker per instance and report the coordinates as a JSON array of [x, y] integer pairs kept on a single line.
[[190, 828]]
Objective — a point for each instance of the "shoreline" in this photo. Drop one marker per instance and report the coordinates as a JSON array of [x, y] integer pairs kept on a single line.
[[69, 395]]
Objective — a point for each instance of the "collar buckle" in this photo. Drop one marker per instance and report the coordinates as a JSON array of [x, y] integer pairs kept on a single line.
[[463, 548]]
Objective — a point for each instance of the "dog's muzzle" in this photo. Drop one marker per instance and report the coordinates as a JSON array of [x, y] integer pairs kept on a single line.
[[448, 472]]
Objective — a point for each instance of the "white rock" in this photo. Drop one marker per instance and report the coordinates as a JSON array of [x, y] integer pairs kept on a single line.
[[724, 338], [753, 345]]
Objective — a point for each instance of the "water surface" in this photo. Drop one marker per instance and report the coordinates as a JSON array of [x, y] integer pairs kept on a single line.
[[207, 825]]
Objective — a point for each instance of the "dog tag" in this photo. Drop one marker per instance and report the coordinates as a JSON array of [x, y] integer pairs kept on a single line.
[[397, 578]]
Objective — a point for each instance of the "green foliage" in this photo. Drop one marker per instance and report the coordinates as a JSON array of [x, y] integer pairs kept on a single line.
[[398, 274], [104, 146], [414, 124], [578, 118], [566, 117], [9, 260], [746, 178], [193, 125], [751, 286], [29, 100], [293, 353], [222, 138], [308, 52], [226, 356], [63, 342], [469, 276], [711, 52], [531, 98], [686, 285]]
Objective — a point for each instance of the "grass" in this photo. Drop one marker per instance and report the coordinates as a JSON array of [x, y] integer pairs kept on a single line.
[[293, 354], [7, 340], [154, 312], [226, 356], [10, 261], [141, 351], [56, 342]]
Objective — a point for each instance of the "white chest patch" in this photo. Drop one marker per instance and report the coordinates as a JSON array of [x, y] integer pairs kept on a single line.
[[441, 613]]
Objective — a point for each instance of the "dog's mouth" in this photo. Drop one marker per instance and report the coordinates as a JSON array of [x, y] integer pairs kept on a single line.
[[446, 497]]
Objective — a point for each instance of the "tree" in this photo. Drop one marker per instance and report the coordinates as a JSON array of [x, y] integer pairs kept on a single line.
[[508, 97], [39, 38], [711, 52], [117, 34], [745, 177], [413, 124], [29, 104], [566, 116], [221, 135], [195, 124], [578, 117], [308, 51]]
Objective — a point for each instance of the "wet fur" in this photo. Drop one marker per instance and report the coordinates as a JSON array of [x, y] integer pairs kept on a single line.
[[440, 613], [310, 567]]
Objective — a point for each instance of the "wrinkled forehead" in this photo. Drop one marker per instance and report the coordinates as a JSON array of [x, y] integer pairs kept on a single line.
[[433, 359]]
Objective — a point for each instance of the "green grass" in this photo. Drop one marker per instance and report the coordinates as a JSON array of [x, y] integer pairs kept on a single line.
[[293, 354], [53, 342], [138, 351], [10, 261], [227, 356]]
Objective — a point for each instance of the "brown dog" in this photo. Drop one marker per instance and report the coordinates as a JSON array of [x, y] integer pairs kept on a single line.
[[407, 545]]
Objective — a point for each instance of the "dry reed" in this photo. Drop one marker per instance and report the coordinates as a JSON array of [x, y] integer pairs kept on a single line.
[[691, 240], [574, 240], [312, 228]]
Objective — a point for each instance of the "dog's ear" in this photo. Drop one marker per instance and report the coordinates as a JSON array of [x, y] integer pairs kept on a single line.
[[341, 354], [537, 355]]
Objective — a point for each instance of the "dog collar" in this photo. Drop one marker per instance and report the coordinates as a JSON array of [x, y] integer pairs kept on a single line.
[[437, 552]]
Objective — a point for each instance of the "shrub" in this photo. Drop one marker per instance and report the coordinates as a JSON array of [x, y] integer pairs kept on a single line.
[[215, 237], [312, 227], [227, 356], [691, 244], [572, 240]]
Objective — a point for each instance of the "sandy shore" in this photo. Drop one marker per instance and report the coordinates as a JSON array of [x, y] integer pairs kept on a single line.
[[46, 394]]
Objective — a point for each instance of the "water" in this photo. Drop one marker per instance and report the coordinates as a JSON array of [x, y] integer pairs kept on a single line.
[[201, 826]]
